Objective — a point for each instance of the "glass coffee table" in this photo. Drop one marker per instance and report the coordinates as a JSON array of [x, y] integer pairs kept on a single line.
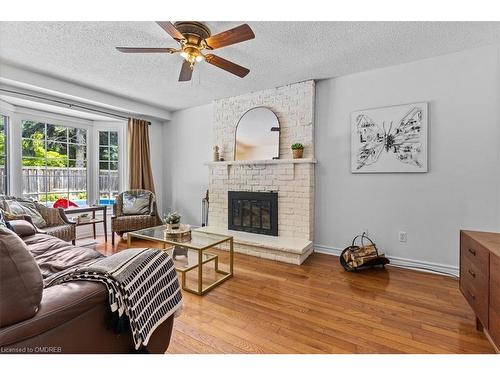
[[190, 254]]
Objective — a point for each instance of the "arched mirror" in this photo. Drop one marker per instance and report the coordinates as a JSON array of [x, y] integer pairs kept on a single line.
[[257, 135]]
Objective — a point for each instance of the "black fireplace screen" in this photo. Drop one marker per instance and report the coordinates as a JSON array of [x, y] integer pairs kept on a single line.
[[253, 212]]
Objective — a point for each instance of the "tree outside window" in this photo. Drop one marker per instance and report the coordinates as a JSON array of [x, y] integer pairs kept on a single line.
[[54, 159]]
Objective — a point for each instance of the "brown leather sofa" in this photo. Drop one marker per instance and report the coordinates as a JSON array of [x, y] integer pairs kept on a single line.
[[72, 317]]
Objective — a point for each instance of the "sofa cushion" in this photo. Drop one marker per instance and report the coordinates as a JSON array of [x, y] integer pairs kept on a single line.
[[20, 206], [54, 255], [136, 203], [22, 228], [21, 282]]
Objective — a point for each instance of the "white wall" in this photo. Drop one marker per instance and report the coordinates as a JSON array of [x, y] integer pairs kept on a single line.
[[187, 141], [462, 187]]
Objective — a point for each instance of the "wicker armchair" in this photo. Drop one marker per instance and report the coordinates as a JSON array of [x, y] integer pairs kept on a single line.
[[57, 223], [122, 223]]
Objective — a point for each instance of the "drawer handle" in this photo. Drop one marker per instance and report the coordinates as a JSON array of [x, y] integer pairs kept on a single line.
[[472, 295], [472, 251], [472, 274]]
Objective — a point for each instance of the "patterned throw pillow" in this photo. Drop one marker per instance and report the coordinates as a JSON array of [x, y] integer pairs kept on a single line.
[[2, 219], [7, 217], [136, 203], [25, 207]]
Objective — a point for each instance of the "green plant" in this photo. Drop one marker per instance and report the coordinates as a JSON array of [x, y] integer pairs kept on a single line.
[[81, 195], [36, 155], [297, 146], [172, 218]]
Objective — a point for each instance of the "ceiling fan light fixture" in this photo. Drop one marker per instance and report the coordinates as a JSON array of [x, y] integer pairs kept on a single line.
[[195, 37], [191, 54]]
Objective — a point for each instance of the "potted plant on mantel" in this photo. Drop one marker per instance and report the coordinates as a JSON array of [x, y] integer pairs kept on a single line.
[[172, 220], [297, 150]]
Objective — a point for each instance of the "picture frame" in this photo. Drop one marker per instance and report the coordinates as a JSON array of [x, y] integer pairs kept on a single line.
[[391, 139]]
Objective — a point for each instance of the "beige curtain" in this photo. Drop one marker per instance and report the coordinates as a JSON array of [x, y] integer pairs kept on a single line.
[[140, 174]]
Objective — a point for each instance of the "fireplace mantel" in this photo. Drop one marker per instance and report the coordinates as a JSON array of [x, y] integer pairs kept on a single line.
[[262, 162]]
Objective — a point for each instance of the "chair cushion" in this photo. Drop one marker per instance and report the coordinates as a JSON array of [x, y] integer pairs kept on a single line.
[[21, 283], [20, 206], [136, 203]]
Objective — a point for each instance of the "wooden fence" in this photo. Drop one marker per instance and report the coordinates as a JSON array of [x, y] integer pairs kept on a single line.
[[57, 180]]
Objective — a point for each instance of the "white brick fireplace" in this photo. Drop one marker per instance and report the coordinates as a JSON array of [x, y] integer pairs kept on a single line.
[[292, 179]]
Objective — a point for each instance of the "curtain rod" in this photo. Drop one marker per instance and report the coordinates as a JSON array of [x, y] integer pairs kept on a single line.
[[70, 105]]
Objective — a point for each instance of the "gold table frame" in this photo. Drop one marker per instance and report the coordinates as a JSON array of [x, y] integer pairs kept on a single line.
[[201, 251]]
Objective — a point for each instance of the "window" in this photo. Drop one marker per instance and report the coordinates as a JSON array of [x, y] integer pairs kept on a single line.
[[3, 155], [54, 159], [108, 167]]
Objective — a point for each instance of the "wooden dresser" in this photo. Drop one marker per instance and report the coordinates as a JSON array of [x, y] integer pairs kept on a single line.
[[480, 279]]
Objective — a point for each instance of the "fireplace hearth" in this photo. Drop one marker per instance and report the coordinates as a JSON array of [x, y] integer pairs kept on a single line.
[[254, 212]]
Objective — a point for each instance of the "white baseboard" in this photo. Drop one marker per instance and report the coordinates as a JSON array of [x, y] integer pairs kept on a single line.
[[417, 265]]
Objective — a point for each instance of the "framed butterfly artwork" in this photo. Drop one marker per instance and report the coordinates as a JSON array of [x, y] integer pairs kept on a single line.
[[389, 139]]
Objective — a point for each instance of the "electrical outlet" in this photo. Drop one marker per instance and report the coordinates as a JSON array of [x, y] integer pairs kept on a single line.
[[403, 236]]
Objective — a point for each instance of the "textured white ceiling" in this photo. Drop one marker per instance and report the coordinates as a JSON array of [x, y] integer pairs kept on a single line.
[[281, 53]]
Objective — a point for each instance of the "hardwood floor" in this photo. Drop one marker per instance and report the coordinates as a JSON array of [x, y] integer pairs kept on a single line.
[[272, 307]]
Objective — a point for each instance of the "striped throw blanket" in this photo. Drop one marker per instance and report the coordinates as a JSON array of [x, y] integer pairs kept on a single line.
[[142, 284]]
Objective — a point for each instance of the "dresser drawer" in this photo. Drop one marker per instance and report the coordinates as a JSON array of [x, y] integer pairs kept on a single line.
[[494, 323], [474, 252], [472, 276], [478, 300]]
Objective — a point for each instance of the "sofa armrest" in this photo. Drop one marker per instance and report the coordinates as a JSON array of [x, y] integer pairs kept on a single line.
[[60, 304], [78, 308], [53, 216], [65, 218]]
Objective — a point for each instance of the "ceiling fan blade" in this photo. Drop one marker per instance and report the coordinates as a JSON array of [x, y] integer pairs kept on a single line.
[[146, 50], [186, 72], [227, 65], [170, 29], [232, 36]]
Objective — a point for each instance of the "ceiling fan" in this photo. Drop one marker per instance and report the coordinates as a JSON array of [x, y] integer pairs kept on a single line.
[[194, 38]]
